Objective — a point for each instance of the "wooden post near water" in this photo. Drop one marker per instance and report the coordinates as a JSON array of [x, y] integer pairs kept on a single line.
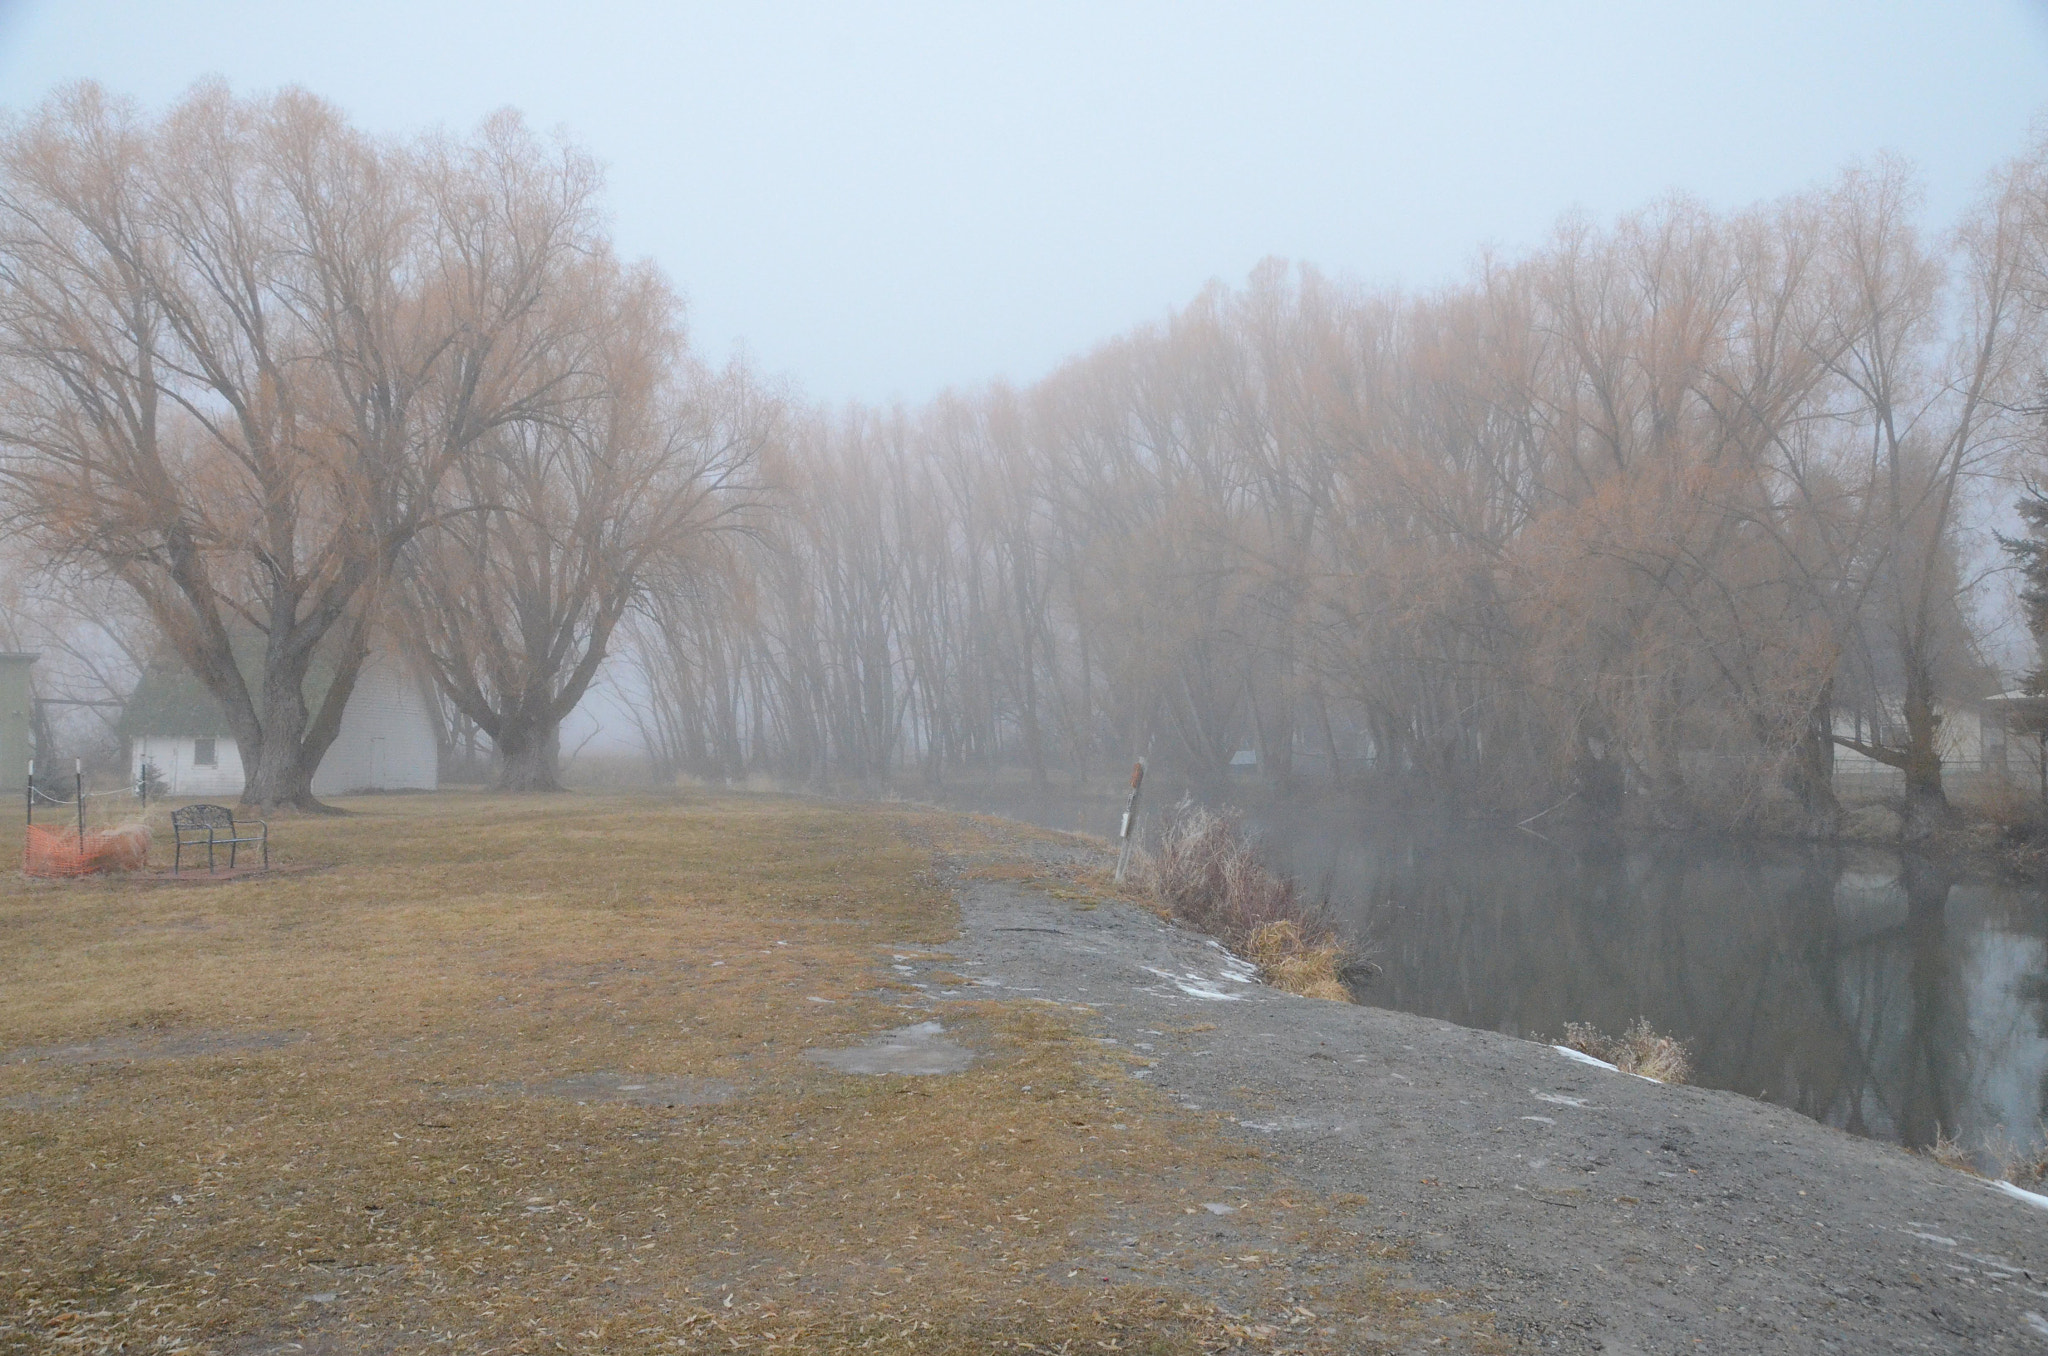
[[1128, 833]]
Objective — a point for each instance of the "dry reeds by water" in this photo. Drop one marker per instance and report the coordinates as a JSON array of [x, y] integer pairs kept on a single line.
[[1638, 1050], [1206, 874], [2024, 1163]]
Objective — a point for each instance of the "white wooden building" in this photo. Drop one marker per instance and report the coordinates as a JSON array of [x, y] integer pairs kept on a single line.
[[386, 741]]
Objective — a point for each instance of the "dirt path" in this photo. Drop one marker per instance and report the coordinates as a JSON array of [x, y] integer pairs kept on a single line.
[[1586, 1210]]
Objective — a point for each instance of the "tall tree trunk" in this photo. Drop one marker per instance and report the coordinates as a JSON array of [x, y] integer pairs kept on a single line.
[[529, 756], [283, 776], [1927, 810], [1810, 772]]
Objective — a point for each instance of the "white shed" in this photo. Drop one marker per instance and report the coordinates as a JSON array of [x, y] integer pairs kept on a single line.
[[386, 741]]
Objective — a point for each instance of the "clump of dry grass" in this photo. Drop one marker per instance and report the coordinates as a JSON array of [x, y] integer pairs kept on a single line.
[[2026, 1164], [1207, 875], [1948, 1151], [2023, 1163], [1638, 1050], [1290, 962]]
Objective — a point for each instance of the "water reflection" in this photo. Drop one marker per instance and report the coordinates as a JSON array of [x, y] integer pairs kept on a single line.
[[1876, 992], [1873, 992]]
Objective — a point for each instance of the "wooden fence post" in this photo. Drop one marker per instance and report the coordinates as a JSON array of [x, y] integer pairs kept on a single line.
[[1130, 825]]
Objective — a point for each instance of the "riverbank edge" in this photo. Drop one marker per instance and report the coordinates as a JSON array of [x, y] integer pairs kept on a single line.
[[1341, 1121], [1946, 1154]]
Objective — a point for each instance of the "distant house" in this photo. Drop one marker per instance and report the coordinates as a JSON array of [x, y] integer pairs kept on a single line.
[[1971, 737], [386, 742]]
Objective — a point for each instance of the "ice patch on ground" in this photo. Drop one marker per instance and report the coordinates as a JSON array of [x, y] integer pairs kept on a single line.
[[1556, 1100], [1204, 986], [1932, 1238], [2022, 1194], [919, 1049], [1582, 1057]]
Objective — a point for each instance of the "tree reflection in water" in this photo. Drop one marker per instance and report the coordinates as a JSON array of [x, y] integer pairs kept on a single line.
[[1870, 990]]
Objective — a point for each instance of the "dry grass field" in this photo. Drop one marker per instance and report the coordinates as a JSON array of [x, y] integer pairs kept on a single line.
[[525, 1074]]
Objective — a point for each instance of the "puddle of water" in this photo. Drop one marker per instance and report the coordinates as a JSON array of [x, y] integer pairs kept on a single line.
[[919, 1049]]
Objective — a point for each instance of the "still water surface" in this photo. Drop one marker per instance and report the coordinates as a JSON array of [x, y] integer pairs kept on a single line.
[[1875, 992], [1878, 993]]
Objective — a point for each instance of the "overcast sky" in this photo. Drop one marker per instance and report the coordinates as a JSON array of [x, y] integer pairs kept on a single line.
[[882, 200]]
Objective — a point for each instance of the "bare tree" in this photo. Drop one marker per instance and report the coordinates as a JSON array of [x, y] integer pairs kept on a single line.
[[1933, 415], [242, 347], [549, 531]]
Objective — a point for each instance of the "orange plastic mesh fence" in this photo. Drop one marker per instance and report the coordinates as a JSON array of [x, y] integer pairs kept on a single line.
[[55, 850]]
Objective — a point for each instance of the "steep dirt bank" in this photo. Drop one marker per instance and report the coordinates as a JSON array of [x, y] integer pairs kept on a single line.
[[1585, 1210]]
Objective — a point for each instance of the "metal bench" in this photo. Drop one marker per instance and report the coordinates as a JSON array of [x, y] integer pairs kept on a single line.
[[213, 825]]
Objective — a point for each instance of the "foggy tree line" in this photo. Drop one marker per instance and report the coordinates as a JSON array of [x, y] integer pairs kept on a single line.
[[1667, 510], [1670, 509]]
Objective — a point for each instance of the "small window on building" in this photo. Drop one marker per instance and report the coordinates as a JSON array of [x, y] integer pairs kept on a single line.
[[204, 754]]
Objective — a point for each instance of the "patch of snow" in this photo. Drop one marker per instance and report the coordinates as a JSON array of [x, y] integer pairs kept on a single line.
[[1931, 1238], [1541, 1120], [813, 998], [2022, 1194], [1556, 1100], [1200, 986], [2036, 1322], [1218, 1208], [1582, 1057]]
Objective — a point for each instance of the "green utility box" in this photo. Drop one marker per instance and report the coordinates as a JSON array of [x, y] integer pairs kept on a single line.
[[17, 744]]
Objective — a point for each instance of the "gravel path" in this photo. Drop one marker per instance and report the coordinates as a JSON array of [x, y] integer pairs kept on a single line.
[[1587, 1210]]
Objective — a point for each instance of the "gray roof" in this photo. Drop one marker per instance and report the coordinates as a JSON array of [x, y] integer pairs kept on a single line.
[[170, 701]]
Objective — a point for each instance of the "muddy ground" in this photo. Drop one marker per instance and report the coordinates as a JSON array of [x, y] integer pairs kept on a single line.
[[1583, 1210]]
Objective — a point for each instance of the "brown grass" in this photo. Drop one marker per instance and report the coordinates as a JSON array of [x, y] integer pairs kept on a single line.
[[1207, 875], [1289, 961], [2022, 1163], [310, 1108], [1948, 1151], [1638, 1050]]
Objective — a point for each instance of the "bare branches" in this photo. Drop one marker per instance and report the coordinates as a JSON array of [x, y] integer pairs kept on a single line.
[[244, 345]]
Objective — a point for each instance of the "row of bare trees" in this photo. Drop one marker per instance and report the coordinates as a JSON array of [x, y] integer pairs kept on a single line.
[[293, 386], [1672, 509]]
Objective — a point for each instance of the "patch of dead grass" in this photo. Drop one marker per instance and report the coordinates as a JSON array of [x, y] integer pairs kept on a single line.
[[1207, 874], [1638, 1050], [1948, 1151], [1288, 960], [381, 1170]]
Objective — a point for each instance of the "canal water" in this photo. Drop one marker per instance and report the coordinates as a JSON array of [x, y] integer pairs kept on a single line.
[[1873, 991], [1876, 992]]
